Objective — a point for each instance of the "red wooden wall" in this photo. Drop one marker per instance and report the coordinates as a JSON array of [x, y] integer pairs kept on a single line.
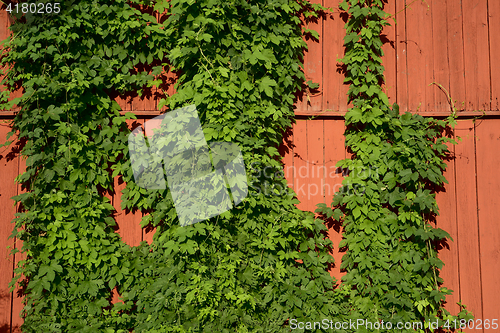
[[454, 43]]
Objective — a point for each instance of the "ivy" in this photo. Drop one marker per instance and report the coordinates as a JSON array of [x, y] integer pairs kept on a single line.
[[70, 65], [391, 263], [260, 267], [250, 269]]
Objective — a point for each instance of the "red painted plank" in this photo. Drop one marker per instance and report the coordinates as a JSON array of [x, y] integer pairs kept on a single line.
[[311, 101], [286, 152], [145, 102], [300, 162], [149, 125], [488, 192], [128, 222], [440, 48], [401, 58], [122, 101], [9, 171], [166, 88], [467, 224], [420, 56], [334, 152], [334, 89], [494, 43], [148, 233], [4, 24], [447, 220], [389, 48], [315, 163], [476, 54], [456, 53], [17, 302], [4, 34]]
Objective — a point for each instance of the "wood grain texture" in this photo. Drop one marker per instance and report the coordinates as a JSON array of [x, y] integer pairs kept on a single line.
[[467, 222], [300, 166], [476, 55], [286, 151], [128, 222], [334, 152], [8, 171], [17, 299], [494, 52], [315, 163], [454, 43], [5, 33], [388, 38], [401, 58], [312, 100], [334, 89], [456, 53], [440, 55], [488, 192], [419, 36], [447, 220]]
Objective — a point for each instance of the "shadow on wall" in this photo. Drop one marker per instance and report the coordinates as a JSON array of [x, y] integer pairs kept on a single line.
[[5, 298]]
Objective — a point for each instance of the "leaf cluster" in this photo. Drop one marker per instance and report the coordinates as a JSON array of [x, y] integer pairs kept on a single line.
[[391, 262], [250, 269]]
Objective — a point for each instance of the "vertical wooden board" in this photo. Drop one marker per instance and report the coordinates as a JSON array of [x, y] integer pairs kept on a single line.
[[122, 101], [334, 152], [440, 48], [148, 233], [389, 58], [4, 24], [488, 192], [456, 52], [146, 102], [447, 220], [6, 32], [315, 162], [313, 68], [168, 77], [166, 88], [17, 301], [334, 89], [401, 58], [8, 172], [467, 224], [128, 222], [300, 165], [286, 151], [476, 55], [494, 44], [149, 126], [420, 56]]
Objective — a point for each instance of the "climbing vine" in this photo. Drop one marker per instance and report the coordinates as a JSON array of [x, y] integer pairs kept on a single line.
[[260, 267], [251, 269], [391, 263]]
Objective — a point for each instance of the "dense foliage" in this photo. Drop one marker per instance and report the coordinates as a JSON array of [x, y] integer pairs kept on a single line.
[[262, 264], [250, 269], [391, 261]]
